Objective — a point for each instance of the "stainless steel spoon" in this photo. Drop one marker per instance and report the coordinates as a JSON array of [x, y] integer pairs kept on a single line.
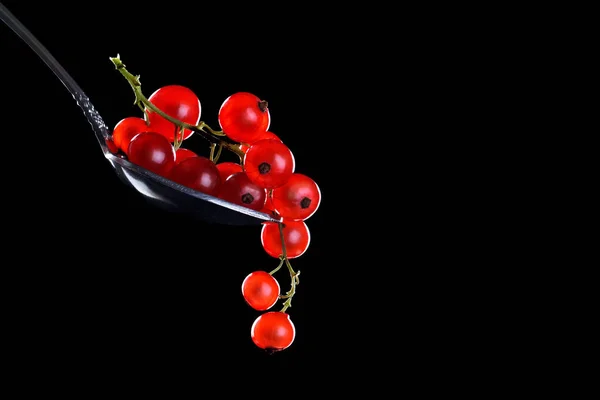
[[158, 190]]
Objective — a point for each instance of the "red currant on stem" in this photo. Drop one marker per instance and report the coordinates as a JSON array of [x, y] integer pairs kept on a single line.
[[294, 238], [178, 102], [269, 163], [284, 259], [238, 189], [298, 199], [244, 117], [146, 106], [274, 331], [260, 290], [265, 181]]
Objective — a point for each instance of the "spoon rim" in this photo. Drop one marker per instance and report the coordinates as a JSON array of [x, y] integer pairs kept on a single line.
[[123, 162]]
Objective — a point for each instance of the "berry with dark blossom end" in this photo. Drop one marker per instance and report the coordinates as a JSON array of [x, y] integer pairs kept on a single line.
[[238, 189], [264, 181], [244, 117], [269, 163], [298, 199]]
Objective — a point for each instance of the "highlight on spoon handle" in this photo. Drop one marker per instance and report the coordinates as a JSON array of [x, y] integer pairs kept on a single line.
[[98, 125]]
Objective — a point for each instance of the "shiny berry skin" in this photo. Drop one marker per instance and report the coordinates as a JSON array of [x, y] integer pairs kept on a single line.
[[243, 117], [126, 129], [295, 235], [153, 152], [183, 154], [238, 189], [260, 290], [266, 135], [298, 199], [112, 147], [198, 173], [273, 331], [226, 169], [178, 102], [269, 163]]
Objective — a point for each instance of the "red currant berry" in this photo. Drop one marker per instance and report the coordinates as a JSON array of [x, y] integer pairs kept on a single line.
[[226, 169], [273, 331], [238, 189], [260, 290], [153, 152], [298, 199], [266, 135], [198, 173], [183, 154], [126, 129], [177, 102], [243, 117], [295, 235], [269, 163], [112, 147]]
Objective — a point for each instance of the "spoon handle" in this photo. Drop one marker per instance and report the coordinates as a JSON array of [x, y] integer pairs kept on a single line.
[[98, 125]]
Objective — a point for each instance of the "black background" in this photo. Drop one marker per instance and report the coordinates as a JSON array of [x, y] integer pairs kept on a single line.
[[95, 274], [399, 263]]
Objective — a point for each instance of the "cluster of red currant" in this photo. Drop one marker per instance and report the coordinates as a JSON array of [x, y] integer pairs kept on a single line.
[[263, 180]]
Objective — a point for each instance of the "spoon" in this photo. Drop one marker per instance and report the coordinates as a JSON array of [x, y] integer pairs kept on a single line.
[[158, 190]]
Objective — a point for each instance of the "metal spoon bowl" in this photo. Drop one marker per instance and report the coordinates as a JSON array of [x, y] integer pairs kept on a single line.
[[158, 190]]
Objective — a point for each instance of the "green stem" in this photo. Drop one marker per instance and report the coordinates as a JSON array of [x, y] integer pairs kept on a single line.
[[219, 150], [146, 116], [293, 275], [178, 137], [134, 82], [289, 266], [283, 250], [290, 294], [278, 267], [203, 125]]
